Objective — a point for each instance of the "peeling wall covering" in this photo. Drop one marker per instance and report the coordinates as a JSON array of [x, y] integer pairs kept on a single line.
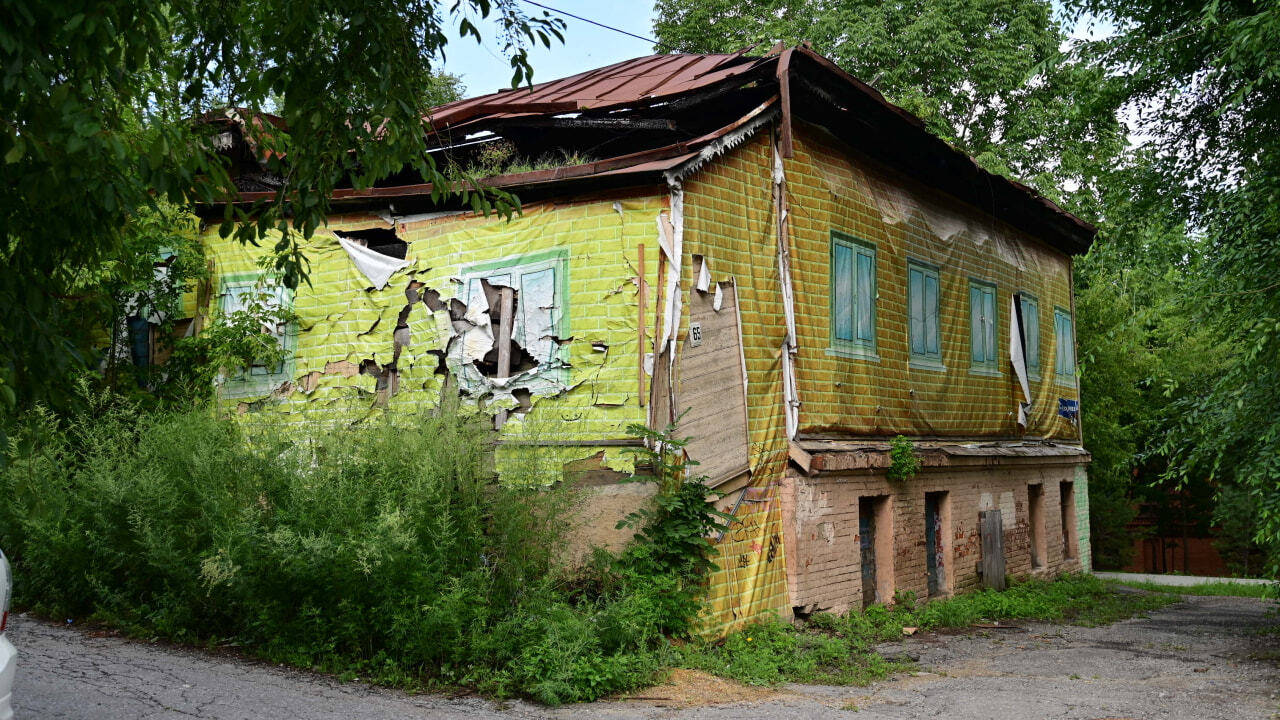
[[831, 189], [754, 218], [729, 219], [360, 350]]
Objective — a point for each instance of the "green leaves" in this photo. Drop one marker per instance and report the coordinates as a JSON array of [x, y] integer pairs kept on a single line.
[[988, 76], [96, 125]]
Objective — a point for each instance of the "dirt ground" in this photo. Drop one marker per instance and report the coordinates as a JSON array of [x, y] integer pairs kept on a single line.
[[1205, 658]]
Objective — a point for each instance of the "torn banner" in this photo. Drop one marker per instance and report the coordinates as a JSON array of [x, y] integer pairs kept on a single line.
[[1017, 355], [377, 267]]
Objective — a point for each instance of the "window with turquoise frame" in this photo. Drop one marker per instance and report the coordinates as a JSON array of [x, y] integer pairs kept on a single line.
[[853, 296], [1065, 348], [924, 331], [236, 293], [541, 282], [1030, 332], [983, 322]]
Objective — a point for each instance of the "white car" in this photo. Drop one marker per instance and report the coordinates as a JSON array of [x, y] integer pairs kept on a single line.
[[8, 655]]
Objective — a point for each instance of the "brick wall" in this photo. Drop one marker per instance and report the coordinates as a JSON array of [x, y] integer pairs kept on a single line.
[[823, 542]]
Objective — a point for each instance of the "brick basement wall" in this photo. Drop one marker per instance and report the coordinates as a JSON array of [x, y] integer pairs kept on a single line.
[[823, 545]]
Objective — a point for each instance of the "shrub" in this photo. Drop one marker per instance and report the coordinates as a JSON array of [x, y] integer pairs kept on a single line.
[[384, 550]]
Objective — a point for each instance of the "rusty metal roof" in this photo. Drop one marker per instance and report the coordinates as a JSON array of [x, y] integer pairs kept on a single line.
[[800, 78], [630, 82]]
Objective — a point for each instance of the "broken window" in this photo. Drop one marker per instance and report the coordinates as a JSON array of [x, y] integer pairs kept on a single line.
[[254, 292], [538, 321]]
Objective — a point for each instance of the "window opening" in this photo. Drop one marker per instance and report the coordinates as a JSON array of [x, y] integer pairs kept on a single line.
[[1067, 500], [1035, 518], [923, 308], [937, 523], [239, 292], [853, 294], [1030, 310], [982, 326], [1064, 341], [875, 534]]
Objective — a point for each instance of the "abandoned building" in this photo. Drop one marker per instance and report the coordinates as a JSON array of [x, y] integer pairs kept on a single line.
[[760, 248]]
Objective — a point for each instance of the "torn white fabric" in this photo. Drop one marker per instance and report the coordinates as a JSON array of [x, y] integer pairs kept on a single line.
[[477, 341], [791, 403], [704, 273], [378, 268], [790, 345], [1019, 359], [718, 300]]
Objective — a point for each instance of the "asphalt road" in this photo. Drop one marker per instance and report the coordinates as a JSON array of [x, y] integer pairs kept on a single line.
[[1203, 659]]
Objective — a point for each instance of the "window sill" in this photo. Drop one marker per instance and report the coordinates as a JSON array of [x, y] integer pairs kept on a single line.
[[926, 364], [985, 372], [854, 354]]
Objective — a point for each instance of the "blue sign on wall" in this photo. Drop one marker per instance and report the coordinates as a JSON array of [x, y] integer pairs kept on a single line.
[[1069, 409]]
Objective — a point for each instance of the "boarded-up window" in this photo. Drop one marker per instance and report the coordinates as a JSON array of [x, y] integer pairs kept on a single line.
[[923, 309], [982, 326], [1064, 342], [853, 295]]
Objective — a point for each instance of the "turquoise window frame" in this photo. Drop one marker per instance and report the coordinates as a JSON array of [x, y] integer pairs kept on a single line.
[[924, 342], [984, 327], [1064, 367], [852, 297], [556, 259], [1031, 332], [259, 380]]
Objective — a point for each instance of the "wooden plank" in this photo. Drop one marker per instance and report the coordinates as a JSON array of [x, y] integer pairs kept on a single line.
[[992, 531], [506, 305], [711, 387], [642, 288]]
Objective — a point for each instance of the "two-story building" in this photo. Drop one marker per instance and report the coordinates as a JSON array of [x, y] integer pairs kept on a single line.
[[761, 249]]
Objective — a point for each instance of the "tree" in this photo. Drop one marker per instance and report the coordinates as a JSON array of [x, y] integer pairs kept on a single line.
[[989, 76], [1203, 79], [98, 104]]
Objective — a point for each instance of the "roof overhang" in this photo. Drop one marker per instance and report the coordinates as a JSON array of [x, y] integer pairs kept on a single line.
[[797, 83]]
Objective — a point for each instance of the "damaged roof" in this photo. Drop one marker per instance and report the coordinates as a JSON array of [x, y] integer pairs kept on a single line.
[[631, 122]]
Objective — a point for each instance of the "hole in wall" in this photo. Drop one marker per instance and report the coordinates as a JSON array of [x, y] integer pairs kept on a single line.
[[380, 240]]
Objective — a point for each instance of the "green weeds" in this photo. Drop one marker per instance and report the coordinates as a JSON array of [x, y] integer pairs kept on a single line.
[[1270, 591], [840, 649]]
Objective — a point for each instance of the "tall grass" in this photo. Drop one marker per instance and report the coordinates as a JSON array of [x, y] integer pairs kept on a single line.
[[382, 550]]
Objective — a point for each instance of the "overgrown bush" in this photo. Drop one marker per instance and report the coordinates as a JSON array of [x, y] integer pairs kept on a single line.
[[670, 557], [381, 550]]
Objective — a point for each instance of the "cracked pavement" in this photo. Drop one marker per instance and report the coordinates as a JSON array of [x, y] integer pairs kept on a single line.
[[1204, 659]]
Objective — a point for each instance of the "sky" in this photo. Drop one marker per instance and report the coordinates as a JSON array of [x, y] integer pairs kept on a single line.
[[484, 69]]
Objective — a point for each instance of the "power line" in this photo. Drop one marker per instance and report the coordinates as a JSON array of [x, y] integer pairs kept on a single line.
[[662, 45]]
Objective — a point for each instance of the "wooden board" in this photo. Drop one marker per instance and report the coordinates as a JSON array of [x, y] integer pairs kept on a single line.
[[712, 389], [991, 526]]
